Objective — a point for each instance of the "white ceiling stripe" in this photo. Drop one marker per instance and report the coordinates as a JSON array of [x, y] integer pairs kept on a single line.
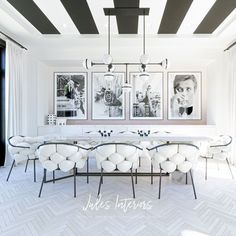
[[155, 15], [195, 15], [56, 13], [96, 8]]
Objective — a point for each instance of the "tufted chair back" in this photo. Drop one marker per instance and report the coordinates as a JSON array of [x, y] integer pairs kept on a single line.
[[21, 147], [219, 148], [63, 156], [175, 156], [117, 156]]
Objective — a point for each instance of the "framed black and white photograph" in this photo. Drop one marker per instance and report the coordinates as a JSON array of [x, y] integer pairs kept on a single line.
[[71, 95], [184, 95], [146, 96], [107, 96]]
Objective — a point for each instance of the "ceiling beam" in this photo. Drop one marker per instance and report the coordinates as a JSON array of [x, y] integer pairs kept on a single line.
[[173, 16], [81, 16], [34, 15], [127, 24], [217, 14]]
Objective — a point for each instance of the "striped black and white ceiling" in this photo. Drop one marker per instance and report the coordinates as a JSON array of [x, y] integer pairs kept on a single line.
[[188, 17]]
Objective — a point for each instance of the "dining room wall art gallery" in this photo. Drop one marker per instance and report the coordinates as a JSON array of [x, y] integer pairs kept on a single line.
[[183, 91]]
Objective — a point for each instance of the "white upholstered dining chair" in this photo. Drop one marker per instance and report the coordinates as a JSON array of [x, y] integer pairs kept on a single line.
[[117, 157], [172, 157], [22, 149], [219, 149], [61, 156]]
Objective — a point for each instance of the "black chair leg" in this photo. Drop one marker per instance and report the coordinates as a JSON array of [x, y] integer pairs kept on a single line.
[[230, 168], [136, 176], [43, 181], [87, 171], [75, 170], [34, 170], [139, 163], [186, 178], [194, 191], [100, 182], [13, 163], [159, 194], [26, 165], [53, 176], [206, 170], [132, 179], [151, 173]]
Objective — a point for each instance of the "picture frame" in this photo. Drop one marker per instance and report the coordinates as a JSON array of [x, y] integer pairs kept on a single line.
[[184, 95], [108, 97], [70, 96], [146, 98]]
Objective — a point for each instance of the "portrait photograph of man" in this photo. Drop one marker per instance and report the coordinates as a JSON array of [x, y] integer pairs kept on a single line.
[[184, 95]]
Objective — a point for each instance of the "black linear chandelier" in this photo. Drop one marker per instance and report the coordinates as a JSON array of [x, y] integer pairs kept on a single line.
[[107, 58]]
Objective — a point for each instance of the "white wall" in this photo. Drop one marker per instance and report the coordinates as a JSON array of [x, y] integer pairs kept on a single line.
[[39, 94], [35, 95], [217, 95], [48, 87]]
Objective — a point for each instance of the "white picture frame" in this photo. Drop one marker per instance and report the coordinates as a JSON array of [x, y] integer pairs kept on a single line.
[[108, 97], [146, 100], [70, 95], [184, 95]]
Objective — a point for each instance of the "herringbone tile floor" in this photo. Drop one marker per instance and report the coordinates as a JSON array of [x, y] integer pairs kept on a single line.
[[176, 213]]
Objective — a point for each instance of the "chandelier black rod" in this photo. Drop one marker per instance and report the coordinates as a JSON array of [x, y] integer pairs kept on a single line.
[[109, 34], [125, 63], [144, 50]]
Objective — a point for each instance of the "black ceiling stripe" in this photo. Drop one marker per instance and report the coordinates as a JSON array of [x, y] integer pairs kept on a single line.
[[219, 11], [34, 15], [81, 15], [175, 11], [127, 24]]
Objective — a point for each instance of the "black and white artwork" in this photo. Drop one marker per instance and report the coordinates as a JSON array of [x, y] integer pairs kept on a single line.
[[184, 95], [71, 95], [147, 96], [108, 97]]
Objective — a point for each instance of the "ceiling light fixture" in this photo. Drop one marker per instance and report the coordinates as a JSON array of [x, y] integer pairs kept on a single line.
[[127, 86], [144, 59], [107, 58]]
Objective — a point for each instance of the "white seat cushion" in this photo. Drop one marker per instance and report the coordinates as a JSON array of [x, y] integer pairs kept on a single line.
[[108, 166], [185, 166], [168, 166], [124, 166]]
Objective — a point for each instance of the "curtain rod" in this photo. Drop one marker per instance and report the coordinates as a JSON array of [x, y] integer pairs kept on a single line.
[[230, 46], [14, 41]]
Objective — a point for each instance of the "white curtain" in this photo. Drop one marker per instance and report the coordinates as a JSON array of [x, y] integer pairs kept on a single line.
[[229, 79], [14, 77]]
